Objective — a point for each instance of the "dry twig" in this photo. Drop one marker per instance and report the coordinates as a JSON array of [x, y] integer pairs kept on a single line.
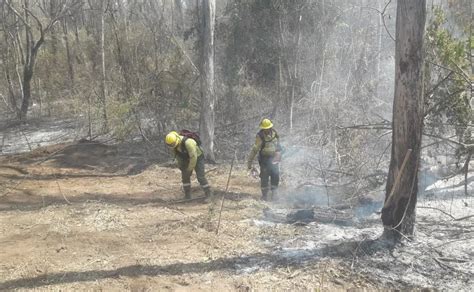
[[446, 213]]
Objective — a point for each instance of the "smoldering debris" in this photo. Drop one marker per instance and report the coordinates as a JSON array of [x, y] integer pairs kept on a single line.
[[438, 257], [315, 214]]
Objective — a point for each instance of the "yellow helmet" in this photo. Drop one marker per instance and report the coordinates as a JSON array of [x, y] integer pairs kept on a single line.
[[266, 124], [172, 139]]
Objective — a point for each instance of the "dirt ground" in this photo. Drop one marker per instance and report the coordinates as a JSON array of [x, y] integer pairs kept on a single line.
[[89, 216]]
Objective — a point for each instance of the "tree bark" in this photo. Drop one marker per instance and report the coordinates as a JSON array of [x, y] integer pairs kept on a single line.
[[295, 71], [398, 213], [70, 61], [121, 59], [208, 98], [28, 70], [178, 17], [466, 171], [8, 56], [103, 90], [53, 34]]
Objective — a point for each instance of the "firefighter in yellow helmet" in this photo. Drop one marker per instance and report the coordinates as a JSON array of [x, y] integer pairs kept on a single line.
[[189, 156], [267, 146]]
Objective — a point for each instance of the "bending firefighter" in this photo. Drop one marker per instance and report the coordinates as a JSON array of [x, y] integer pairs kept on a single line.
[[267, 145], [189, 156]]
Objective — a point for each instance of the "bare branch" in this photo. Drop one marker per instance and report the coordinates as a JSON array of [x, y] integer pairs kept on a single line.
[[446, 213], [21, 18], [462, 74], [442, 101], [437, 209], [439, 83], [450, 140], [377, 126]]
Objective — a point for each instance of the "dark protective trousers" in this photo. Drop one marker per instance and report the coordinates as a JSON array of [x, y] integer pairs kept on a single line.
[[200, 174], [269, 172]]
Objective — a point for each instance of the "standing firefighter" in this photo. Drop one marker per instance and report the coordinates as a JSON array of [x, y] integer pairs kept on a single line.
[[189, 155], [267, 145]]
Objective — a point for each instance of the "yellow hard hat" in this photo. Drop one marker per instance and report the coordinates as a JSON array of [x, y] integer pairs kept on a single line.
[[266, 124], [172, 139]]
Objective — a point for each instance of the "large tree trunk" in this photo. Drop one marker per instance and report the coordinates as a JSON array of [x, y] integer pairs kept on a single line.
[[398, 213], [208, 99]]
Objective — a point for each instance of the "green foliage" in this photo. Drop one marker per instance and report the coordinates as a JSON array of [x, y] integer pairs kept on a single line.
[[252, 40], [448, 49], [449, 101], [121, 117]]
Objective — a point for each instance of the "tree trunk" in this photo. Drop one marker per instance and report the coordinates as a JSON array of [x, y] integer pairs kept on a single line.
[[70, 64], [11, 91], [103, 90], [25, 102], [28, 70], [8, 56], [295, 72], [122, 59], [379, 49], [178, 17], [208, 99], [53, 34], [398, 213], [466, 171], [27, 74], [28, 52]]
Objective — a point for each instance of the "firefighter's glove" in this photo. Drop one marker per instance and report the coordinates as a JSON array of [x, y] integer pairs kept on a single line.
[[277, 158], [254, 172]]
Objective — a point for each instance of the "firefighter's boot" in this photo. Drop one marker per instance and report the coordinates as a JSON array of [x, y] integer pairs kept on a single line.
[[187, 192], [265, 193], [274, 193], [207, 191]]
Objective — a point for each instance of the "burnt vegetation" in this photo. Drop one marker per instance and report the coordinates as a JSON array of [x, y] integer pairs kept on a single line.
[[372, 101]]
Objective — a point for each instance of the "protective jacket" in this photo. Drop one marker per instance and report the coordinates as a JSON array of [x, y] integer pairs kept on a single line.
[[187, 151], [266, 145]]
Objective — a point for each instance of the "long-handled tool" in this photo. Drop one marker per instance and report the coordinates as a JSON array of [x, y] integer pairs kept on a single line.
[[226, 188]]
